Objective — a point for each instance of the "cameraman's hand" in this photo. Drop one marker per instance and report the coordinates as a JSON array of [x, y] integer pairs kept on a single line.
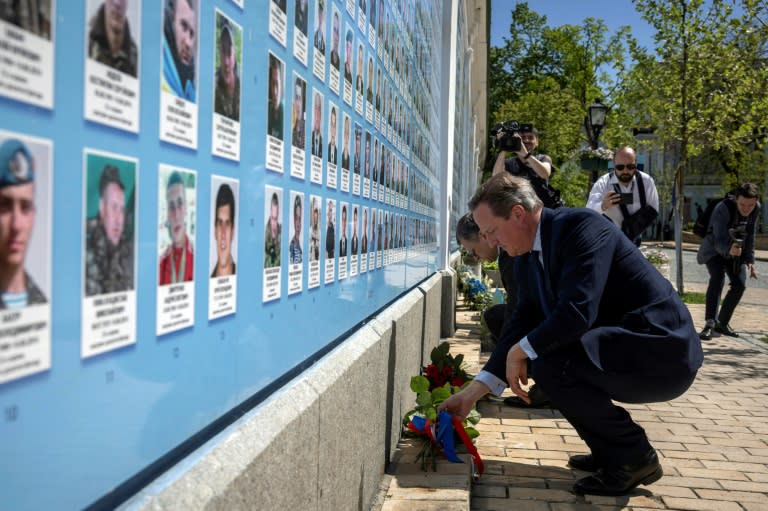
[[735, 250], [610, 199], [523, 151]]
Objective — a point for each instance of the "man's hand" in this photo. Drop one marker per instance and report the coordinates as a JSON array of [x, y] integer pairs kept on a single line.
[[517, 371], [461, 404], [752, 271], [521, 153], [610, 199], [498, 167]]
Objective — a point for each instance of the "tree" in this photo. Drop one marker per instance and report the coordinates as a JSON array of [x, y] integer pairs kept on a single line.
[[693, 89], [550, 75]]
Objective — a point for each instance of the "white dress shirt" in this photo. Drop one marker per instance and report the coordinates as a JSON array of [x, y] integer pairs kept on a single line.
[[605, 184]]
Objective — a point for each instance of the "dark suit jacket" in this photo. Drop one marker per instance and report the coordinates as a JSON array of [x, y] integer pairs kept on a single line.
[[317, 144], [507, 271], [603, 293]]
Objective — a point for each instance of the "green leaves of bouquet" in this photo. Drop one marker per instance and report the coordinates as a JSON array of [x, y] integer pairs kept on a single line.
[[427, 402], [440, 379]]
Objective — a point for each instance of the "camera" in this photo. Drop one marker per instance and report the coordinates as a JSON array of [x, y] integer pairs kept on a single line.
[[626, 198], [738, 234], [507, 141]]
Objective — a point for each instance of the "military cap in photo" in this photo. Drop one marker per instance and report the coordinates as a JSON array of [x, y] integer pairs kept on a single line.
[[17, 167], [226, 30]]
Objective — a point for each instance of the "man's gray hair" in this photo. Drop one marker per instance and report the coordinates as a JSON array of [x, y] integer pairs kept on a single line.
[[504, 191]]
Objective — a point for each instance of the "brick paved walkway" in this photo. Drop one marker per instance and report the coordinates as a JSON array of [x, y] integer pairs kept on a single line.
[[712, 441]]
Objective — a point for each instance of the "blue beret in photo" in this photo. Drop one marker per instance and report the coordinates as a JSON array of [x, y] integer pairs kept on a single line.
[[17, 167]]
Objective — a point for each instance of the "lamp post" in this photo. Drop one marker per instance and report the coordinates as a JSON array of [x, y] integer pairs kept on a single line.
[[597, 111]]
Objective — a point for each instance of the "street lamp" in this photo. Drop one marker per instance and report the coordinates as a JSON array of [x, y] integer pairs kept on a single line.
[[597, 111]]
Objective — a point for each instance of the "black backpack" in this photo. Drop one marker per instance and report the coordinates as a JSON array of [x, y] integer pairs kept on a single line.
[[701, 226]]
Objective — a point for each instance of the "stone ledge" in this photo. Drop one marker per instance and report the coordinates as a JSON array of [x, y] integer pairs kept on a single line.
[[411, 488]]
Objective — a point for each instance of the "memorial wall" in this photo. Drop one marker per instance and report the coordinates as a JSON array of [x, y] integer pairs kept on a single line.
[[196, 199]]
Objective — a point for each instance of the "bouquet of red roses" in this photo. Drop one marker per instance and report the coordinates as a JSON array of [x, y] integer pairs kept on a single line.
[[445, 368], [440, 379]]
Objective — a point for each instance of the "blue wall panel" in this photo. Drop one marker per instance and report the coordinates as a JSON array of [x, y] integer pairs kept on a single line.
[[71, 434]]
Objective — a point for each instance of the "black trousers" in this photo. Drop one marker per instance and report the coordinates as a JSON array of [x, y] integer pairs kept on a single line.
[[718, 267], [584, 394], [494, 319]]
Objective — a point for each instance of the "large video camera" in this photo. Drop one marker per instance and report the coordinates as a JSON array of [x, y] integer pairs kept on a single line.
[[508, 141]]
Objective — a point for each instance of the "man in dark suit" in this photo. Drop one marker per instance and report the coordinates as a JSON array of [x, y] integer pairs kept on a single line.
[[468, 236], [343, 229], [320, 30], [598, 324], [317, 120], [335, 60], [332, 136]]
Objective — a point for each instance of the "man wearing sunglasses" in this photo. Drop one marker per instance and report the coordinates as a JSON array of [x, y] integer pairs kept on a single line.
[[627, 196]]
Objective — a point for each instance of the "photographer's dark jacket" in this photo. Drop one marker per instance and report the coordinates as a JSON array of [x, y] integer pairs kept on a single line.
[[718, 239], [548, 195]]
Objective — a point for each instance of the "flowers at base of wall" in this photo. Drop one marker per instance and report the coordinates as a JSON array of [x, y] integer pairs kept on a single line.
[[443, 377]]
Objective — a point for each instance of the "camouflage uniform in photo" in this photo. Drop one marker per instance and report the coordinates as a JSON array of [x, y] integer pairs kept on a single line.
[[108, 269], [125, 59], [272, 247]]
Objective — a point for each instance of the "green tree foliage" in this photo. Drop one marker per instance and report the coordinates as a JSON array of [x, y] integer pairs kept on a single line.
[[572, 182], [703, 88], [550, 76]]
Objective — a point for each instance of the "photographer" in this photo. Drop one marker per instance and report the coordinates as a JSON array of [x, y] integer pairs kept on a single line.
[[729, 249], [522, 140], [627, 196]]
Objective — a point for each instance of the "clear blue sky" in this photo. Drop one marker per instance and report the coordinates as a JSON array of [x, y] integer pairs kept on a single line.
[[615, 13]]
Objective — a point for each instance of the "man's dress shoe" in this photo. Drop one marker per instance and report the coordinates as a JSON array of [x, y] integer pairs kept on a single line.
[[725, 330], [537, 396], [585, 462], [623, 479]]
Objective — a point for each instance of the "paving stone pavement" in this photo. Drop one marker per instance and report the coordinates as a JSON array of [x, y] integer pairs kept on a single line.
[[712, 441]]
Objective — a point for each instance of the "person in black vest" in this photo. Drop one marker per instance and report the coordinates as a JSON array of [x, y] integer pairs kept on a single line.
[[627, 196], [729, 249]]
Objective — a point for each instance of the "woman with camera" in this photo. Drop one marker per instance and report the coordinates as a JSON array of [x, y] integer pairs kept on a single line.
[[729, 249]]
